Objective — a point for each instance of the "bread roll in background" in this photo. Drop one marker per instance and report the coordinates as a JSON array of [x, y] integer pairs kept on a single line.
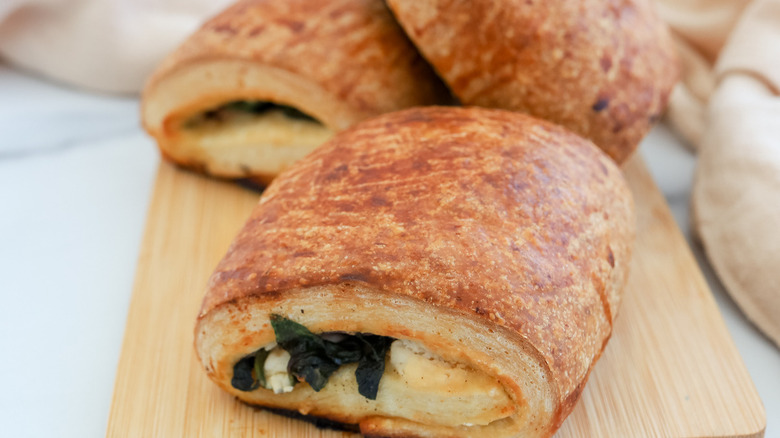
[[603, 69], [263, 83], [492, 246]]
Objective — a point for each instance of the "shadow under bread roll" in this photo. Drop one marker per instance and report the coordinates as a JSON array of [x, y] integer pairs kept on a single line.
[[434, 272], [601, 68], [265, 82]]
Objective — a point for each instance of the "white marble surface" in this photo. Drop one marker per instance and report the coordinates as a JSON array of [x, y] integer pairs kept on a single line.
[[76, 172]]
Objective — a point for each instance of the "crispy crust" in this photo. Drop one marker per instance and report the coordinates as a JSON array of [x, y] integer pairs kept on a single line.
[[340, 61], [508, 224], [603, 69]]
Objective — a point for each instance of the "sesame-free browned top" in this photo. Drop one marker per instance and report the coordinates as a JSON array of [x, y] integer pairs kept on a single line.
[[602, 68], [351, 48], [493, 214]]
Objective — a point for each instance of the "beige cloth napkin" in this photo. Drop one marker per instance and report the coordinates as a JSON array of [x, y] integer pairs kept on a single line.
[[727, 105], [101, 45]]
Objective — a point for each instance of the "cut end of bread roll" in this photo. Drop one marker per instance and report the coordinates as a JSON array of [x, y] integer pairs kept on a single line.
[[435, 272], [239, 141], [253, 133], [448, 374], [353, 65]]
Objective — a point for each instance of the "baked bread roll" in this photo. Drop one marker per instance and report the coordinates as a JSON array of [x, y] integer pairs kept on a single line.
[[265, 82], [603, 69], [435, 272]]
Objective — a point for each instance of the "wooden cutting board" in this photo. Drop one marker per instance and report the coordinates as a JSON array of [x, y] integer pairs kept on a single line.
[[670, 369]]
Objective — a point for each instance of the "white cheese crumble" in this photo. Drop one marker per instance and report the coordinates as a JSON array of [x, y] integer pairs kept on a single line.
[[275, 368]]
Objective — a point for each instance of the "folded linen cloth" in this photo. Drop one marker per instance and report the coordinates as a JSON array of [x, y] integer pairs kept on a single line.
[[100, 45], [727, 105]]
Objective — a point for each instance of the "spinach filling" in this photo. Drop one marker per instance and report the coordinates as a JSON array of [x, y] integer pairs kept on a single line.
[[314, 358], [248, 373], [248, 106]]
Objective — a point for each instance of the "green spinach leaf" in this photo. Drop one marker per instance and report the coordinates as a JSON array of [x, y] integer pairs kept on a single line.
[[314, 359], [309, 360], [248, 373], [372, 365], [259, 107], [260, 357], [249, 106], [295, 113], [243, 380]]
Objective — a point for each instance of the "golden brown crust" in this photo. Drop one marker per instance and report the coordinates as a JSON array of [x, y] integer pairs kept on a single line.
[[488, 213], [340, 61], [603, 69]]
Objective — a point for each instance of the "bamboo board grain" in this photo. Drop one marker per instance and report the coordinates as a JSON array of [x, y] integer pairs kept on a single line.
[[670, 369]]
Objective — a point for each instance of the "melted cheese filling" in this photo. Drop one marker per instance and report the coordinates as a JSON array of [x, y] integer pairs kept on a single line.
[[241, 143], [417, 385]]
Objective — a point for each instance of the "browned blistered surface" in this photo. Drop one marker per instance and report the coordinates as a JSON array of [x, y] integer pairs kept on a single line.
[[491, 213], [353, 49], [602, 68]]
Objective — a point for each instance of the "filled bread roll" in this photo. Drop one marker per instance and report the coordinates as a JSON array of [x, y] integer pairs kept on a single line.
[[603, 69], [265, 82], [435, 272]]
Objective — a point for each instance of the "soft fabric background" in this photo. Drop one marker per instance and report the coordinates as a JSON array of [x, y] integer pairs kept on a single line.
[[728, 108], [101, 45]]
